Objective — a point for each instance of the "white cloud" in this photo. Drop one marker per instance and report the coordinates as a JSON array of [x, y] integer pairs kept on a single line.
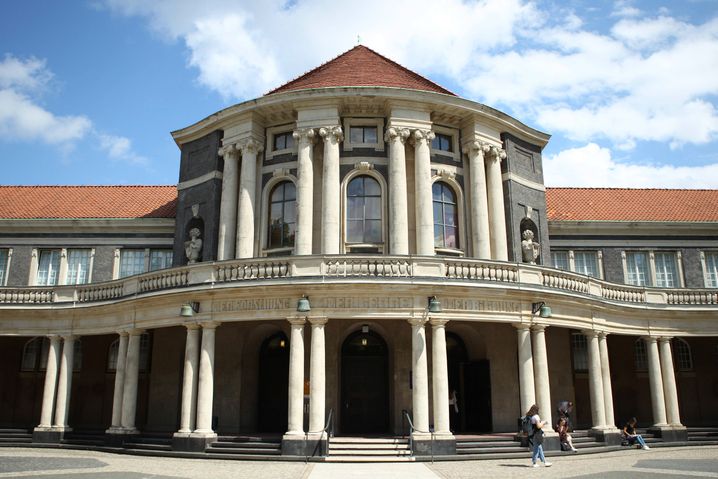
[[120, 148], [594, 166], [23, 75]]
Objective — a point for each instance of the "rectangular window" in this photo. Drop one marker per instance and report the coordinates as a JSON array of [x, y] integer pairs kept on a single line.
[[711, 269], [637, 269], [78, 266], [48, 267], [666, 270], [586, 262], [4, 255], [363, 134], [283, 141], [441, 142], [579, 347], [132, 261], [560, 260], [160, 259]]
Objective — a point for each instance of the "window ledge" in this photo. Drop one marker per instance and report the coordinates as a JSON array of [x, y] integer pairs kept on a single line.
[[449, 252]]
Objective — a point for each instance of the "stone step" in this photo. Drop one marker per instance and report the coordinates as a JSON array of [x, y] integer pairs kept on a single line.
[[252, 439], [368, 459], [243, 450], [468, 444], [369, 440], [347, 445], [239, 445], [369, 452], [147, 446], [492, 450], [17, 439], [84, 442], [10, 430]]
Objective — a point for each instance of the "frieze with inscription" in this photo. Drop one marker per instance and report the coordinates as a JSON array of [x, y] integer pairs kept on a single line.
[[481, 305]]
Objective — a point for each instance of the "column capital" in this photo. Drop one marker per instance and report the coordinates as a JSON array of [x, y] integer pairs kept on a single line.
[[228, 151], [603, 334], [665, 339], [209, 324], [122, 333], [539, 327], [437, 322], [249, 145], [135, 332], [296, 320], [417, 321], [304, 135], [475, 146], [69, 337], [591, 333], [519, 326], [496, 153], [192, 326], [419, 135], [317, 320], [332, 133], [396, 133], [55, 337], [650, 339]]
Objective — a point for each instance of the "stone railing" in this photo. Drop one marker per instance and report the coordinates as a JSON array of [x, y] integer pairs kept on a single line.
[[359, 268]]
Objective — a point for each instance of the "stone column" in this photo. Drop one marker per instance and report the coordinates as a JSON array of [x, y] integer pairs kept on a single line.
[[543, 386], [119, 383], [317, 380], [422, 192], [129, 393], [480, 235], [420, 380], [331, 199], [606, 377], [247, 192], [64, 383], [398, 210], [440, 379], [655, 380], [305, 182], [205, 386], [669, 383], [189, 380], [295, 423], [228, 204], [48, 393], [595, 381], [497, 216], [527, 391]]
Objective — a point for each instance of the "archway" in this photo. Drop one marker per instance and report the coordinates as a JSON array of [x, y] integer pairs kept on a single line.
[[273, 387], [365, 390], [470, 381]]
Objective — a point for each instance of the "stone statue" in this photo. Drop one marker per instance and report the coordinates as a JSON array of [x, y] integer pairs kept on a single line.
[[193, 246], [530, 249]]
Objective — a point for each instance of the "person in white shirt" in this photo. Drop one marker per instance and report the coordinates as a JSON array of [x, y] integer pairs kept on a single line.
[[536, 436]]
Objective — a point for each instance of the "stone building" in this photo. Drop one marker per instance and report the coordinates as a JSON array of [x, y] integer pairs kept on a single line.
[[363, 249]]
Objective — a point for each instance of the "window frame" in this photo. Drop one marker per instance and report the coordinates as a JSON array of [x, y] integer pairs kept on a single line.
[[443, 224], [640, 356], [447, 175], [363, 169], [651, 264], [707, 282], [579, 344], [5, 269], [269, 151], [453, 134], [682, 355], [268, 248], [90, 262], [350, 122]]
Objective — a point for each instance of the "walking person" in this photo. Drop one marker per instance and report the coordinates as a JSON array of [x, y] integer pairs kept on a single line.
[[629, 432], [536, 436]]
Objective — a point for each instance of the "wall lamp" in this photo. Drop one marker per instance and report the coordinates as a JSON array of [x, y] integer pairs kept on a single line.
[[188, 309], [303, 304], [541, 308], [434, 305]]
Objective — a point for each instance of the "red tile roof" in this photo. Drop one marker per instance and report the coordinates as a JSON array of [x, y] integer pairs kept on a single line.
[[624, 204], [36, 202], [361, 66]]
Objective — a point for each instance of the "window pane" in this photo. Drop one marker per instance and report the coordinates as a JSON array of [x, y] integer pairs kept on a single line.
[[356, 134], [132, 261], [666, 270], [438, 236], [275, 213], [586, 262], [370, 134], [160, 259], [290, 230], [78, 265], [3, 265], [355, 210], [275, 236], [372, 208], [560, 260], [436, 143], [637, 272], [448, 195], [436, 191], [640, 355], [711, 270], [356, 187], [450, 237], [450, 215], [290, 212], [371, 187], [290, 191], [48, 267], [355, 231], [372, 232], [579, 347], [112, 355]]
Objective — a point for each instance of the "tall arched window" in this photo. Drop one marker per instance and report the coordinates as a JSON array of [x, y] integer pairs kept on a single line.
[[282, 216], [640, 354], [446, 224], [114, 351], [682, 353], [364, 211], [35, 352]]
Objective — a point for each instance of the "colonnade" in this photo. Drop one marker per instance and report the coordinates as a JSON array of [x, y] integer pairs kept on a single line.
[[237, 208], [58, 384]]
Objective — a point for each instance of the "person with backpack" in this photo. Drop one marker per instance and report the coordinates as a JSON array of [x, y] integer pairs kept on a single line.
[[536, 435]]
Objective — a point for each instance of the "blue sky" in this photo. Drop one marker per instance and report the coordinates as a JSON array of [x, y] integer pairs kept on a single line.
[[90, 90]]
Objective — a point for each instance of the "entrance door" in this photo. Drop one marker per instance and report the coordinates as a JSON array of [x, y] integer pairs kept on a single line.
[[477, 396], [273, 384], [365, 398]]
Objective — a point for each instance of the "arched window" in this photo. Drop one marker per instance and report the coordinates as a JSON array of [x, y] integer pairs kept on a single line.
[[35, 352], [364, 211], [114, 351], [445, 216], [282, 216], [682, 352], [640, 355]]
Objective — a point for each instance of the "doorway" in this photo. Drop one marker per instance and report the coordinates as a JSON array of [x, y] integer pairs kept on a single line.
[[365, 389], [273, 387], [470, 383]]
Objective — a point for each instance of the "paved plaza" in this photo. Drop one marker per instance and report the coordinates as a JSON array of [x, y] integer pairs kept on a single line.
[[662, 463]]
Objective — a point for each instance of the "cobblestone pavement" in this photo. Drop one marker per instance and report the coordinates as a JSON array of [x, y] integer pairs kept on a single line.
[[658, 463]]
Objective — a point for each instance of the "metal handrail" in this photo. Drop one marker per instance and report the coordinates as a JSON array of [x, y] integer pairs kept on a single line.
[[329, 423], [413, 430]]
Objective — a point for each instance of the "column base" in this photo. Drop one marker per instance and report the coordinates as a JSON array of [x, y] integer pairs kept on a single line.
[[116, 436], [50, 435], [551, 441], [192, 441], [442, 445], [608, 434], [294, 445], [670, 433]]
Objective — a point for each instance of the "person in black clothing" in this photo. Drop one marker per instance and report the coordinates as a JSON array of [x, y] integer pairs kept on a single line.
[[629, 432]]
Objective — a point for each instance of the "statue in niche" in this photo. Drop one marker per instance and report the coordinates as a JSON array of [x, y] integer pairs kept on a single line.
[[530, 249], [193, 246]]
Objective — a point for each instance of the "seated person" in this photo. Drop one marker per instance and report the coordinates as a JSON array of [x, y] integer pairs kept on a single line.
[[629, 432], [563, 435]]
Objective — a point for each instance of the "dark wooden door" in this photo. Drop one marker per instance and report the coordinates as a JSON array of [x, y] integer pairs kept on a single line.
[[476, 394], [273, 385]]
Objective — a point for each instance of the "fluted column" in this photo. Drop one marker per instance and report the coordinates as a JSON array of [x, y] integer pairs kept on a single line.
[[188, 412], [205, 383], [305, 182], [48, 393], [669, 382], [543, 386], [129, 393], [331, 199], [422, 192], [317, 376], [606, 377], [527, 389], [497, 216], [595, 381], [480, 235], [64, 383], [247, 192], [295, 422], [655, 381], [420, 380], [440, 377], [119, 382], [398, 210], [228, 203]]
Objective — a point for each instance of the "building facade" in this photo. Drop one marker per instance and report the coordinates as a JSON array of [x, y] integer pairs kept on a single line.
[[363, 245]]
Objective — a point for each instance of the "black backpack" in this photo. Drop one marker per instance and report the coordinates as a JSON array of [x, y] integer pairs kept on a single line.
[[526, 426]]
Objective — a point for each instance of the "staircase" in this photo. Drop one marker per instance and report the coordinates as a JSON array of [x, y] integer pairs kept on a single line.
[[150, 442], [15, 437], [489, 446], [245, 447], [366, 449], [84, 438], [703, 435]]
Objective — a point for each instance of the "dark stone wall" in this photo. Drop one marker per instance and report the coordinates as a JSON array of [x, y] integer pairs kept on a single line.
[[613, 265], [19, 272], [199, 158], [102, 264], [692, 268]]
